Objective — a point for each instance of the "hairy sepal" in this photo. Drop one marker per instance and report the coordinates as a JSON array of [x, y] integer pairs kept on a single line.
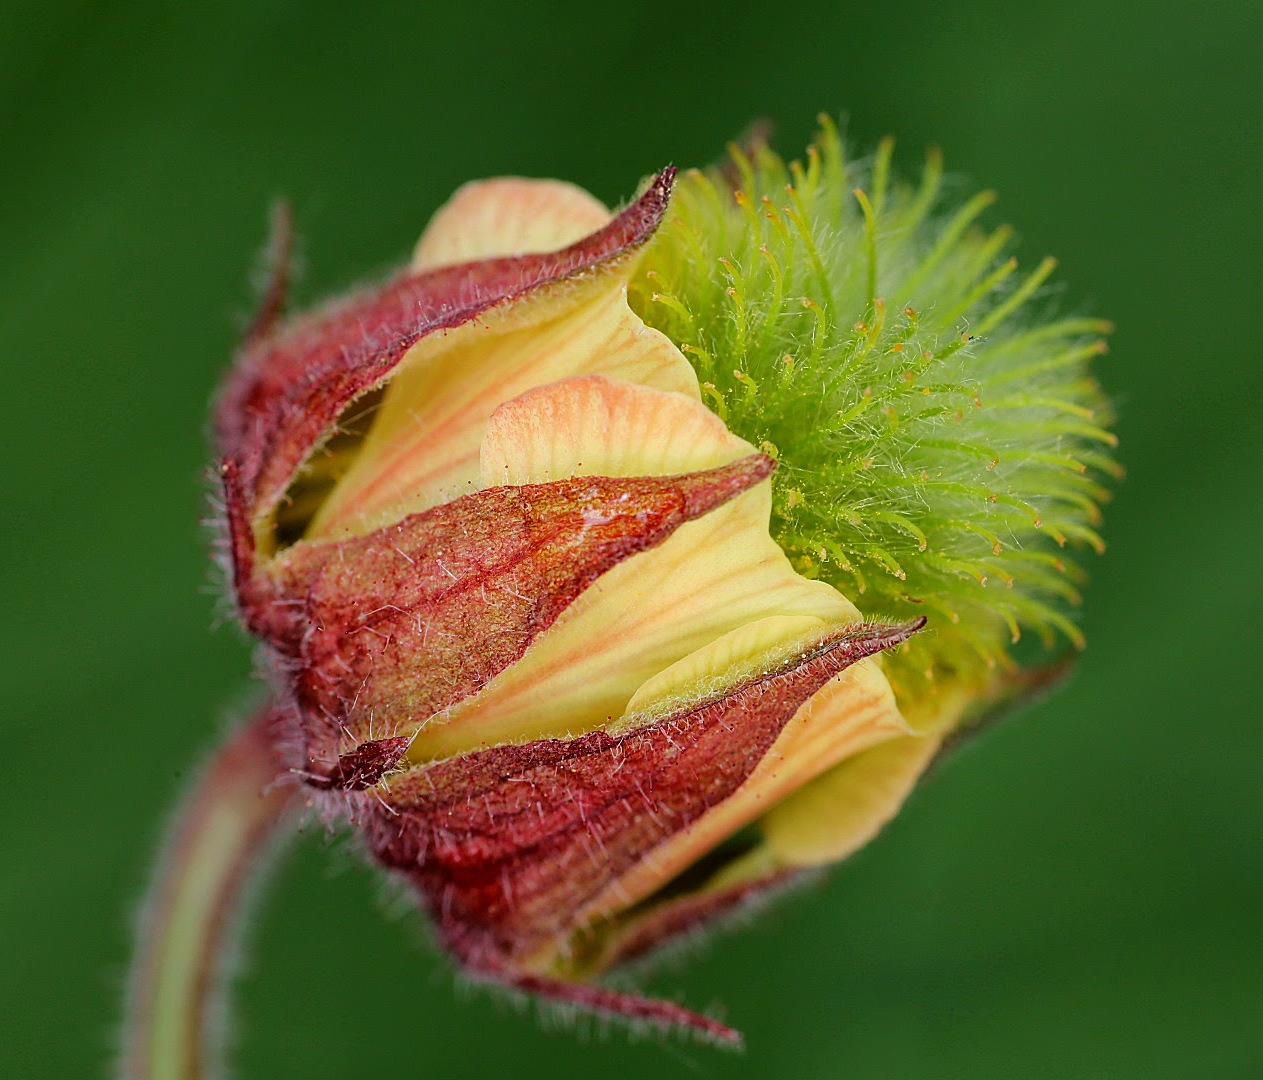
[[380, 634], [511, 846], [290, 386]]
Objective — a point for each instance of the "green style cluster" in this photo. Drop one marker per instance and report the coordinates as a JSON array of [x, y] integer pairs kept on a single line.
[[942, 444]]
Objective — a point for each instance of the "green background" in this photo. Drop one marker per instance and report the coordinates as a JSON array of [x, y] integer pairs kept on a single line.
[[1078, 894]]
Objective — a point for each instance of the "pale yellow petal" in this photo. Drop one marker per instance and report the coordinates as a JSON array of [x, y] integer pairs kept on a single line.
[[714, 575], [748, 650], [507, 215], [842, 810], [853, 712], [423, 447], [831, 817], [598, 426]]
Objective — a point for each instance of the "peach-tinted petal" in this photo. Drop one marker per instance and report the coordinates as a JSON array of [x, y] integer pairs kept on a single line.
[[853, 712], [715, 575], [508, 215], [423, 446], [726, 660], [597, 426], [842, 810]]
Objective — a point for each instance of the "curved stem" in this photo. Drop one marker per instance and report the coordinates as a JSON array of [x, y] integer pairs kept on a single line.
[[220, 833]]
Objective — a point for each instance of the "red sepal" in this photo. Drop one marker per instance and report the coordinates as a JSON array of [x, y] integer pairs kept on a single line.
[[509, 846], [289, 387], [381, 632]]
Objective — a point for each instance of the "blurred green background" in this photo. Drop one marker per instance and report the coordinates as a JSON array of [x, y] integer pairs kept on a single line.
[[1079, 894]]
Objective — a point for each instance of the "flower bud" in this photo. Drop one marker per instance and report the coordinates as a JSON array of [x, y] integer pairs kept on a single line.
[[530, 631]]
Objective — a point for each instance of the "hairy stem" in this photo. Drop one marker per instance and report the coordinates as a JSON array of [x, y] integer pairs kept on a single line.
[[220, 834]]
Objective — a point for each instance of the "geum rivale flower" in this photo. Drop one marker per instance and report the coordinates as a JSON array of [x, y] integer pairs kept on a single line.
[[567, 633], [532, 635]]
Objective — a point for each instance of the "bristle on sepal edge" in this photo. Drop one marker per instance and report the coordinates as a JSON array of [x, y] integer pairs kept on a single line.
[[657, 1013]]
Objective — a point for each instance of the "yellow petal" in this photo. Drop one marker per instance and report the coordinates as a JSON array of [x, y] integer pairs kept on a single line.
[[754, 647], [423, 447], [842, 810], [714, 575], [508, 215], [853, 712], [597, 426], [837, 814]]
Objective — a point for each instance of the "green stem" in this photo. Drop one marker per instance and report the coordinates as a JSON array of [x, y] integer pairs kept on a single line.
[[221, 831]]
